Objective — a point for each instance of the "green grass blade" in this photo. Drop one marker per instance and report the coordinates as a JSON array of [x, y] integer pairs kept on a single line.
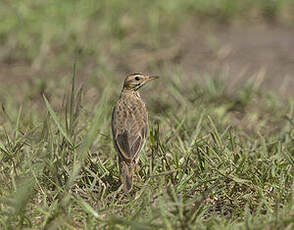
[[57, 122]]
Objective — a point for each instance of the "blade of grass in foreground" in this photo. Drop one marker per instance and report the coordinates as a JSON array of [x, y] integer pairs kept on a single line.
[[17, 123], [57, 122]]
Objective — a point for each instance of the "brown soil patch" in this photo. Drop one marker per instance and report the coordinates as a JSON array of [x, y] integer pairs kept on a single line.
[[241, 52]]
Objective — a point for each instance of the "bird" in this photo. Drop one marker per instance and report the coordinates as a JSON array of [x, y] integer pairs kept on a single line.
[[130, 126]]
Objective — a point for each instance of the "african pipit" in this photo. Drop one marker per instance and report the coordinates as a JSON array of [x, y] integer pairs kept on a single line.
[[129, 126]]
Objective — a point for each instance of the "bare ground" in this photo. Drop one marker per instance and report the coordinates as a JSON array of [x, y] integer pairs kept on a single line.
[[240, 52]]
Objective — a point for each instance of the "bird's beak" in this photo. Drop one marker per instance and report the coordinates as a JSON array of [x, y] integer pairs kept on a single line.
[[150, 78]]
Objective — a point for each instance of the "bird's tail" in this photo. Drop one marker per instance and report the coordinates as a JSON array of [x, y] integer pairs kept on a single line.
[[127, 171]]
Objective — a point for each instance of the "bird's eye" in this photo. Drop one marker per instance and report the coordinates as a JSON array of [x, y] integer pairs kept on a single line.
[[137, 78]]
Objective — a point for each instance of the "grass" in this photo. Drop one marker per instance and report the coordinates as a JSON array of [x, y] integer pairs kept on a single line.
[[216, 158], [213, 161]]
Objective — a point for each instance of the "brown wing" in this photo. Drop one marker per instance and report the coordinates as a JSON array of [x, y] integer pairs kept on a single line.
[[129, 127]]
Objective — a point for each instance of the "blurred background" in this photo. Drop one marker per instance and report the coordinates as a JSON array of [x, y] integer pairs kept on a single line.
[[230, 39]]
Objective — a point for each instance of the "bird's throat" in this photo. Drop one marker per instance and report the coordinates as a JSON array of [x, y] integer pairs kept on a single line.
[[128, 92]]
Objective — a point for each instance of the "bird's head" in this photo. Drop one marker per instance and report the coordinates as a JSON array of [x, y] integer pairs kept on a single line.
[[135, 81]]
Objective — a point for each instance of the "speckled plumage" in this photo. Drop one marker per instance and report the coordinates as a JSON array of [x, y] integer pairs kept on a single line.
[[130, 126]]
